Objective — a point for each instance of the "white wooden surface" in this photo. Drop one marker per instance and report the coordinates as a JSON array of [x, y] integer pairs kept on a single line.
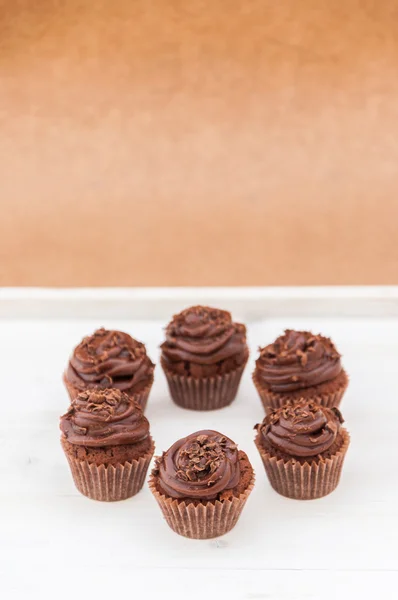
[[55, 543]]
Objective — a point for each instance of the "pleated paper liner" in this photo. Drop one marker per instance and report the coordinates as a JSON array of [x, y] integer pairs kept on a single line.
[[201, 521], [207, 393], [273, 400], [141, 397], [306, 481], [113, 482]]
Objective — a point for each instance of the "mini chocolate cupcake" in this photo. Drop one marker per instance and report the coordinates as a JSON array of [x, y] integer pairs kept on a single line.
[[302, 446], [110, 359], [203, 357], [299, 365], [201, 484], [107, 443]]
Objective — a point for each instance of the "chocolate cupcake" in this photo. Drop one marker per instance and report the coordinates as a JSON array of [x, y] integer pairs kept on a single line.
[[201, 484], [106, 439], [302, 446], [110, 359], [203, 357], [299, 365]]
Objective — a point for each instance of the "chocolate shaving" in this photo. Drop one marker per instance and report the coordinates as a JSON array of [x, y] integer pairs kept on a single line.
[[202, 439], [303, 357], [266, 429], [201, 458], [182, 475], [78, 429], [332, 427], [338, 414]]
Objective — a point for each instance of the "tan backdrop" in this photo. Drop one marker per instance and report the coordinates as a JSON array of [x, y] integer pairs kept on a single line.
[[198, 142]]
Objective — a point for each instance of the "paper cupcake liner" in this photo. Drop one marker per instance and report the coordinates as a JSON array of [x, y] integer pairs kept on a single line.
[[141, 397], [207, 393], [113, 482], [305, 481], [272, 400], [201, 521]]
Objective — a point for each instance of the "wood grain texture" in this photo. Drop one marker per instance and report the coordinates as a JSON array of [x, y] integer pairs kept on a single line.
[[199, 143]]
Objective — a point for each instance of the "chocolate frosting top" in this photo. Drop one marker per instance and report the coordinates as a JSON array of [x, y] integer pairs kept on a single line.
[[109, 359], [99, 417], [302, 429], [297, 360], [200, 466], [204, 335]]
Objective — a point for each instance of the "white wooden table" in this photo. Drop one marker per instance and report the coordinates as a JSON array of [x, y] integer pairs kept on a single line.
[[55, 543]]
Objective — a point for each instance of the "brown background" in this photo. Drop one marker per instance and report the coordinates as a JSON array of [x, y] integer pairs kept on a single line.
[[198, 142]]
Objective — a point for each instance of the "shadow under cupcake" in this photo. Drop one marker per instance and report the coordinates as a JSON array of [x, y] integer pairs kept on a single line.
[[299, 365]]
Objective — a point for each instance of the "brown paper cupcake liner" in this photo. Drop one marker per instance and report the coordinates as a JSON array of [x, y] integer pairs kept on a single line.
[[272, 400], [141, 397], [207, 393], [113, 482], [305, 481], [201, 521]]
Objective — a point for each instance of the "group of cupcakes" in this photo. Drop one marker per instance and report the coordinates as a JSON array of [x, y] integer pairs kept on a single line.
[[202, 481]]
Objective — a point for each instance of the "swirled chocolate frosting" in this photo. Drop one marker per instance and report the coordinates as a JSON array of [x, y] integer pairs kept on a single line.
[[302, 429], [297, 360], [203, 341], [109, 417], [200, 466], [110, 359]]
